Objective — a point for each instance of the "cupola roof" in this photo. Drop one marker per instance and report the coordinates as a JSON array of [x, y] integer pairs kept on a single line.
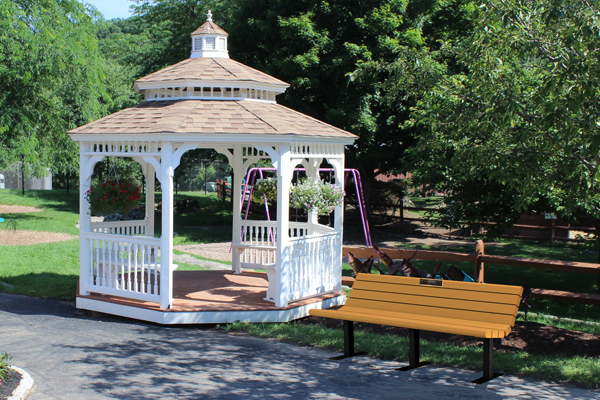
[[209, 40]]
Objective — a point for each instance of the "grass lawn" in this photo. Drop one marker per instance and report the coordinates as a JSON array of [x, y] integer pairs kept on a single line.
[[51, 270]]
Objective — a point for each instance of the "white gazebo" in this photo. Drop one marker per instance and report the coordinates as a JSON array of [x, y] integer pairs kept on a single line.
[[211, 101]]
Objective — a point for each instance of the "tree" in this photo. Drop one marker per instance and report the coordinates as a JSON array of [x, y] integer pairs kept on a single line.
[[52, 79], [331, 52], [521, 114]]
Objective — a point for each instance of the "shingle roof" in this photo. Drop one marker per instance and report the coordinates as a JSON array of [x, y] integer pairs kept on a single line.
[[207, 69], [211, 117], [209, 28]]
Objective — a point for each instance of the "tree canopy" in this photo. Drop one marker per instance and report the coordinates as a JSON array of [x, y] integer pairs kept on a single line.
[[513, 121], [51, 79]]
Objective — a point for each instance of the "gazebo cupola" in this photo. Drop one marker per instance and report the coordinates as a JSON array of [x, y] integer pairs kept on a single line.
[[209, 40], [209, 74]]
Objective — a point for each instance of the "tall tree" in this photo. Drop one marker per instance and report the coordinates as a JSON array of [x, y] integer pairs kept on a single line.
[[318, 46], [522, 116], [51, 80]]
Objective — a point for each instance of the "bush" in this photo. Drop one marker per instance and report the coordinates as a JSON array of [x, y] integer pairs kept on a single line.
[[4, 364]]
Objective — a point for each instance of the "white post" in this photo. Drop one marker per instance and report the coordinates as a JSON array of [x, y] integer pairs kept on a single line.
[[338, 225], [166, 239], [312, 171], [285, 172], [150, 201], [236, 184], [85, 180]]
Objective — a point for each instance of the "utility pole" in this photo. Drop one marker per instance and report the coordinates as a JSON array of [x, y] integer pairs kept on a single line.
[[23, 173]]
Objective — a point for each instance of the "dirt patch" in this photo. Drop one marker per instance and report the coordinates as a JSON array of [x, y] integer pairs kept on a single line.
[[214, 251], [532, 337], [21, 237], [8, 386], [8, 209]]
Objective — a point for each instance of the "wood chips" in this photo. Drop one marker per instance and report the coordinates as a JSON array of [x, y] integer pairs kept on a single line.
[[21, 237]]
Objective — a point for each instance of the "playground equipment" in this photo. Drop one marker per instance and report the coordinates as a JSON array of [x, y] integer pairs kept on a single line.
[[1, 219], [259, 173]]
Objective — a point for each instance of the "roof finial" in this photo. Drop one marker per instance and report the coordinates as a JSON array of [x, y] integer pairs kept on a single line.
[[209, 16]]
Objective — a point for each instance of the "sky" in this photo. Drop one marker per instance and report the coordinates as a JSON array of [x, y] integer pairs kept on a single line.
[[111, 8]]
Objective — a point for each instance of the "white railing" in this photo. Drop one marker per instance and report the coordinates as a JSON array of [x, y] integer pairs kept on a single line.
[[130, 228], [258, 233], [298, 229], [258, 243], [124, 266], [315, 266]]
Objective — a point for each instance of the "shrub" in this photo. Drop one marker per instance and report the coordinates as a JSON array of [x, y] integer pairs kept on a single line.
[[4, 364]]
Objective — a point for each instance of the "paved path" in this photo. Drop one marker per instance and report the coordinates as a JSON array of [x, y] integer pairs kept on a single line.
[[75, 357]]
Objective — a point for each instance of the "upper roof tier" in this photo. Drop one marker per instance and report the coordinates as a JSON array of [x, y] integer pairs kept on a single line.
[[204, 71], [209, 73]]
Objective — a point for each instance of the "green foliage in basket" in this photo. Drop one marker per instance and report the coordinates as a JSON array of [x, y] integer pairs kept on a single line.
[[265, 187], [113, 196]]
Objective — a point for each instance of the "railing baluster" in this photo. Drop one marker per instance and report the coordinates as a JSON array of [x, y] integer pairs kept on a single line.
[[149, 269], [122, 276], [142, 280], [103, 263], [155, 272], [135, 267], [92, 267], [129, 266]]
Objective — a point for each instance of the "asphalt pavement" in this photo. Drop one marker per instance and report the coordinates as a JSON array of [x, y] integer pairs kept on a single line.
[[71, 356]]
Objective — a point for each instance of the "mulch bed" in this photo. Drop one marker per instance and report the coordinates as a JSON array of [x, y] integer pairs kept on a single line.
[[7, 387], [532, 337]]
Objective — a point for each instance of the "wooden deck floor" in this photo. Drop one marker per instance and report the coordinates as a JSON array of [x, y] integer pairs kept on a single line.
[[210, 291]]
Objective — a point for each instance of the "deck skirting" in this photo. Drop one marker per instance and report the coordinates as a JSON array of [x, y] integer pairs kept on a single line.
[[211, 297]]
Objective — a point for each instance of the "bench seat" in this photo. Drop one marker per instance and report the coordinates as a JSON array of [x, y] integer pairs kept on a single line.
[[479, 310], [484, 330]]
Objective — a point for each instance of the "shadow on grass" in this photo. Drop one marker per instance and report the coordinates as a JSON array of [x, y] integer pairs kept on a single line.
[[43, 284]]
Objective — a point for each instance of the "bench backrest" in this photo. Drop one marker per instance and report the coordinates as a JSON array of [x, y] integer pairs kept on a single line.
[[451, 299]]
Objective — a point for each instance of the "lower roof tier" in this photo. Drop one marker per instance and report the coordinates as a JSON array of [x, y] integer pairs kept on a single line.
[[211, 117]]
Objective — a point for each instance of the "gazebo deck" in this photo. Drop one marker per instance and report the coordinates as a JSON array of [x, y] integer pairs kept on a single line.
[[211, 297]]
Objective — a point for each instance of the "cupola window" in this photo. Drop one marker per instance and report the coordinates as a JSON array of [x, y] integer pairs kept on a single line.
[[210, 43]]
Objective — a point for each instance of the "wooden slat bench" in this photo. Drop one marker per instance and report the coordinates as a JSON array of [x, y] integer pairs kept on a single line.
[[461, 308]]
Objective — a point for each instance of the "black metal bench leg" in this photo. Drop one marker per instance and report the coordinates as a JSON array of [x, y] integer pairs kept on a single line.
[[488, 362], [413, 351], [348, 342]]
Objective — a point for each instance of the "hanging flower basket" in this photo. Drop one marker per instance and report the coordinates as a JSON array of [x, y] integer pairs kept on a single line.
[[264, 187], [316, 195], [113, 196]]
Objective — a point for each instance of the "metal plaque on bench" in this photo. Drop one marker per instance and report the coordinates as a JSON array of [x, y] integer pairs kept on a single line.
[[431, 282]]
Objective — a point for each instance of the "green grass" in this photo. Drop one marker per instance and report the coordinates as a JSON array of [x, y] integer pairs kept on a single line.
[[51, 270], [61, 211], [46, 270], [578, 370]]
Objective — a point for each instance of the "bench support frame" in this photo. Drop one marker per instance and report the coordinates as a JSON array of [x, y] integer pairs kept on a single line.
[[413, 351], [488, 363], [348, 342]]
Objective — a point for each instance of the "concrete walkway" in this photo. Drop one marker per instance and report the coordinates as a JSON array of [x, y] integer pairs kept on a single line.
[[76, 357]]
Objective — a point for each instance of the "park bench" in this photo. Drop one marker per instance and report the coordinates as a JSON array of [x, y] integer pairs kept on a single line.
[[462, 308]]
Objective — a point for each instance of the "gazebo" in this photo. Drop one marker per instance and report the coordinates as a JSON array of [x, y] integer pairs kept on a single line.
[[211, 101]]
